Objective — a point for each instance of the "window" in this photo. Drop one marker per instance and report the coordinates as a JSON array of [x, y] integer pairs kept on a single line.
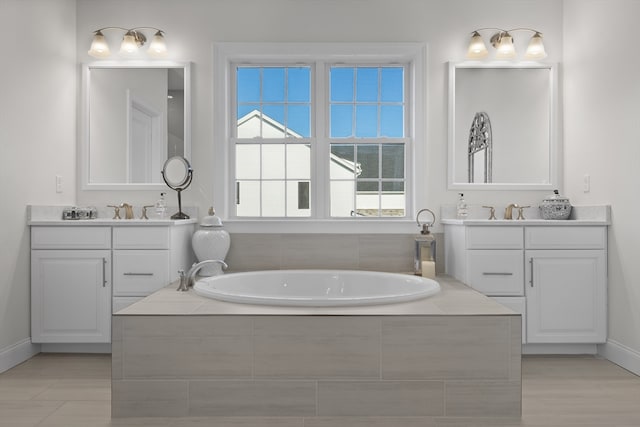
[[319, 135], [367, 109]]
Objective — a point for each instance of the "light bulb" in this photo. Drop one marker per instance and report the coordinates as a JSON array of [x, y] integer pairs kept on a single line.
[[477, 48], [158, 47], [535, 50], [129, 44], [505, 48], [99, 46]]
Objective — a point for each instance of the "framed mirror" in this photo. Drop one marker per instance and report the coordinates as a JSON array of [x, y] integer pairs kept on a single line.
[[502, 126], [135, 116]]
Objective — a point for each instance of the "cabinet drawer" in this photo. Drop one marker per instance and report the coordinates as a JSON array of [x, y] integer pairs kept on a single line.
[[141, 237], [70, 237], [139, 273], [492, 237], [496, 272], [572, 237]]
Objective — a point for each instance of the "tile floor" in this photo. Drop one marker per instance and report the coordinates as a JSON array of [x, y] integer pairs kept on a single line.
[[63, 390]]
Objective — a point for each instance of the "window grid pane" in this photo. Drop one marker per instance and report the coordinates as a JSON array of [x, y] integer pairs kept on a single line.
[[368, 180], [273, 102], [273, 160], [366, 102]]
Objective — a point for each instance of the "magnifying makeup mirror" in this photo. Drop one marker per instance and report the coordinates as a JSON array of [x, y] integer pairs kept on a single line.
[[177, 174]]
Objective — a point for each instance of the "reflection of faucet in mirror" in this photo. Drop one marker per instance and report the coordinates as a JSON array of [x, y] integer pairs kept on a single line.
[[480, 142]]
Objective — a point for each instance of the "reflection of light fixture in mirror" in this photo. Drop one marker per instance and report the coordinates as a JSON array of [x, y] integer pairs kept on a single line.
[[502, 41], [132, 41]]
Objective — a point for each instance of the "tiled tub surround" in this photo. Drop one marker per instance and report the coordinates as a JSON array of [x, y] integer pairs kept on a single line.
[[379, 252], [455, 354]]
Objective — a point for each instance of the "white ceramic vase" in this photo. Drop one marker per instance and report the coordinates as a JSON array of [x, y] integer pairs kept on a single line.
[[211, 241]]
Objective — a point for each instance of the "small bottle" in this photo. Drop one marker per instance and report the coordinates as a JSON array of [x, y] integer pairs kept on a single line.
[[462, 210], [161, 206]]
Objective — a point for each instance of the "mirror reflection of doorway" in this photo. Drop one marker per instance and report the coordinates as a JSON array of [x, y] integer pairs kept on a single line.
[[146, 141], [480, 149]]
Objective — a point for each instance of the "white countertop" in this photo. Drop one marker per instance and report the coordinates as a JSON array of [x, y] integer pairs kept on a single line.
[[113, 222], [580, 216], [52, 216], [524, 222], [454, 299]]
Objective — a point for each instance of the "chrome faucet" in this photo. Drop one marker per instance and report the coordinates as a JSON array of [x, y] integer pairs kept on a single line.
[[186, 280], [508, 211]]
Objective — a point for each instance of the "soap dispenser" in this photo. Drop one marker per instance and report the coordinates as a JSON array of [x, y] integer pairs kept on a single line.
[[161, 206], [462, 210], [424, 259]]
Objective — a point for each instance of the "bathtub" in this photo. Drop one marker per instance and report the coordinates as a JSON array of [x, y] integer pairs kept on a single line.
[[316, 288]]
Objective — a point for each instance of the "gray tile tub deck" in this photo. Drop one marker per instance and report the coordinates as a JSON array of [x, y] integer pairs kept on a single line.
[[455, 354]]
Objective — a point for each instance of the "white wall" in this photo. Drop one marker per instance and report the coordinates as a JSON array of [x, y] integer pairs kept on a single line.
[[192, 26], [37, 138], [602, 139]]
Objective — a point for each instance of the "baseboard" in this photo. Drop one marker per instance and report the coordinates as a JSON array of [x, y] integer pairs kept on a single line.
[[559, 349], [76, 348], [17, 353], [621, 355]]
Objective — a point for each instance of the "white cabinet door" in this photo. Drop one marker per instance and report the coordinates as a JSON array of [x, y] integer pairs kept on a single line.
[[566, 294], [71, 296]]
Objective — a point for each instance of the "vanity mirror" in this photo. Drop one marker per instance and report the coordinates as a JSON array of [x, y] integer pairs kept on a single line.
[[135, 115], [177, 174], [502, 126]]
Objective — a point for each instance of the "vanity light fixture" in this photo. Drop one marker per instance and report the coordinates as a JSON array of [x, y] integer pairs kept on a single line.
[[502, 41], [132, 41]]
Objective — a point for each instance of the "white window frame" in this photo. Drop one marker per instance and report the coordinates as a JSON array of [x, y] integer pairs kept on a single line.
[[321, 55]]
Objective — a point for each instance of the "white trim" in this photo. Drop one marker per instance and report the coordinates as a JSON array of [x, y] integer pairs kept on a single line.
[[559, 349], [17, 353], [226, 54], [83, 140], [621, 355], [97, 348]]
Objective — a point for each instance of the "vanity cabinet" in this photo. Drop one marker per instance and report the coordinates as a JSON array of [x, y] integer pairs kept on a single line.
[[566, 284], [147, 258], [554, 275], [80, 274], [71, 285]]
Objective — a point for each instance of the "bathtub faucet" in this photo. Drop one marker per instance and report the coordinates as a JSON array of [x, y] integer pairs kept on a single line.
[[186, 280]]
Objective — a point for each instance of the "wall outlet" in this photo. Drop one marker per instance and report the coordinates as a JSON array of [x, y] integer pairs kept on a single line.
[[586, 183], [58, 183]]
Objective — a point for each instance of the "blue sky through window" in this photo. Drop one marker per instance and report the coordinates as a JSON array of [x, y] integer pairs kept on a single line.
[[365, 102]]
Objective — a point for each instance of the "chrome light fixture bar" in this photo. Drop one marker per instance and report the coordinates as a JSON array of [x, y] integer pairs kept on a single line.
[[502, 41], [132, 41]]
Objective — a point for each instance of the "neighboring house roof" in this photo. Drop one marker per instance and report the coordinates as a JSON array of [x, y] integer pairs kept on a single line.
[[351, 166]]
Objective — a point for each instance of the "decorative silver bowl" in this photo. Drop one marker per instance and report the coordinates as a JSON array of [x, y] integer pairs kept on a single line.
[[555, 207]]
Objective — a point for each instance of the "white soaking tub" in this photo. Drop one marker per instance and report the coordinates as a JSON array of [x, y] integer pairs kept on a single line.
[[316, 288]]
